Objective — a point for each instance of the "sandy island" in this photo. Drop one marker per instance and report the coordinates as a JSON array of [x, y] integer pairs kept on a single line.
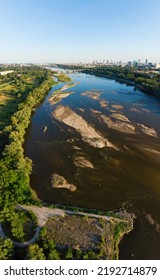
[[92, 94], [118, 125], [59, 182], [58, 95], [80, 161], [104, 103], [87, 132], [123, 124], [68, 86]]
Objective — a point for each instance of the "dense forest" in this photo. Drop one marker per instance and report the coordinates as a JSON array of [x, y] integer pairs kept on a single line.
[[27, 87], [144, 80], [20, 92]]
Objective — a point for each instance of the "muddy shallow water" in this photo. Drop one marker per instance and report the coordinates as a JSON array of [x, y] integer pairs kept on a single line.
[[107, 177]]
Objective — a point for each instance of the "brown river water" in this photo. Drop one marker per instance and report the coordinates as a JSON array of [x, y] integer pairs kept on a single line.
[[104, 139]]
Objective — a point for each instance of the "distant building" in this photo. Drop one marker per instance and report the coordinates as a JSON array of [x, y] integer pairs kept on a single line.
[[157, 65], [6, 72], [150, 64]]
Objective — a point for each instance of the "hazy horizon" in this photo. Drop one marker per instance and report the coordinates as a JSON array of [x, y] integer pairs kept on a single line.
[[79, 31]]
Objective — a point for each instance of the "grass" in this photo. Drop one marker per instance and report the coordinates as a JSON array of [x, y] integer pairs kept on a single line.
[[7, 87], [3, 99], [119, 229], [62, 78], [11, 94]]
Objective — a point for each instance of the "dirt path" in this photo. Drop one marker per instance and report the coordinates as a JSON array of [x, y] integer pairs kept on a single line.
[[44, 213]]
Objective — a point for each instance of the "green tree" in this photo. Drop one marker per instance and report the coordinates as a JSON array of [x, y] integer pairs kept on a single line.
[[35, 253], [6, 249], [69, 254]]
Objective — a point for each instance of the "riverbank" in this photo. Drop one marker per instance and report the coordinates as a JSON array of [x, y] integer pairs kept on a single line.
[[15, 167], [144, 82]]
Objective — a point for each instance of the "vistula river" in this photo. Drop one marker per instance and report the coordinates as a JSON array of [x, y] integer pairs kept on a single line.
[[124, 173]]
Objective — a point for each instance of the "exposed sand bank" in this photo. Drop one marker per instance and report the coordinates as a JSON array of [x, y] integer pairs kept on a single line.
[[104, 103], [80, 161], [120, 117], [87, 132], [123, 124], [92, 94], [60, 182], [58, 95], [118, 125], [68, 86], [146, 130], [117, 106]]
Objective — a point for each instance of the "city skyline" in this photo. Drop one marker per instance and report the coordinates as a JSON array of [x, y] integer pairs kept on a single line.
[[79, 31]]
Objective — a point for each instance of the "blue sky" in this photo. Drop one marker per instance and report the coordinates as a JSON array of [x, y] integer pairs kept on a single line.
[[79, 30]]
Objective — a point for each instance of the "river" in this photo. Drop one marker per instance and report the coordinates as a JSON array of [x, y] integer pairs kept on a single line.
[[124, 175]]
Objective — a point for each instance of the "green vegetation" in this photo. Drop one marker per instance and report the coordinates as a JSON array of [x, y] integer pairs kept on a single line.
[[85, 210], [20, 92], [119, 229], [70, 237], [35, 253], [148, 82], [77, 237], [6, 249], [62, 77], [14, 89], [14, 167], [18, 225]]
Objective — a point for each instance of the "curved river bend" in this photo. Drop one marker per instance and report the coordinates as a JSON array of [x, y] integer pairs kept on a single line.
[[125, 173]]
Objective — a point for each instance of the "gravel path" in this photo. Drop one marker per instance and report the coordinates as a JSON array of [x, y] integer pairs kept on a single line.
[[43, 213]]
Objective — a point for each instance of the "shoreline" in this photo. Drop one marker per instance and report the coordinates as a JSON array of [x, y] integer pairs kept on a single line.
[[125, 81]]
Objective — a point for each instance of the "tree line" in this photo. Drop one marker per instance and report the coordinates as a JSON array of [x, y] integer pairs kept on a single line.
[[15, 168], [148, 82]]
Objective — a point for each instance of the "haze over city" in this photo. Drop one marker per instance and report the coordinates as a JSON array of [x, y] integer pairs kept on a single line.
[[79, 31]]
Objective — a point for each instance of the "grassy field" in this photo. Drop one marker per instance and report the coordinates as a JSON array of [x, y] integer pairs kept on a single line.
[[11, 94], [62, 77]]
